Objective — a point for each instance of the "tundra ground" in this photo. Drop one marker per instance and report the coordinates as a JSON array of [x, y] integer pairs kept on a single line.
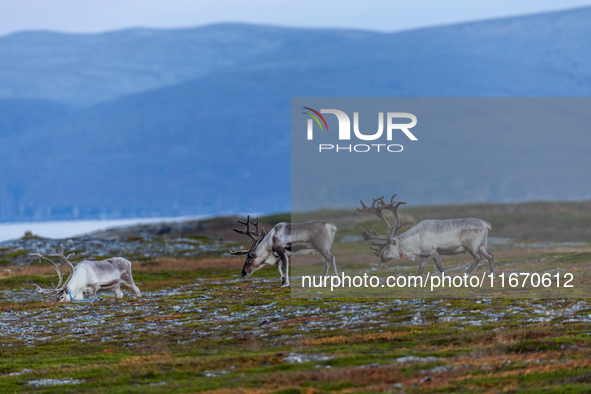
[[199, 327]]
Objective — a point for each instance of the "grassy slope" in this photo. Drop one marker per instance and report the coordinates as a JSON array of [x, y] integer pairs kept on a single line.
[[238, 335], [542, 221], [200, 328]]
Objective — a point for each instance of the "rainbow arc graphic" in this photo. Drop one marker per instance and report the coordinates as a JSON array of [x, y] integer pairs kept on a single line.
[[315, 118]]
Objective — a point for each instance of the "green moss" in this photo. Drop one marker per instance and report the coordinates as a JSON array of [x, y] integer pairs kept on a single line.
[[573, 258], [200, 238], [533, 345], [31, 236], [26, 280], [16, 253], [239, 334]]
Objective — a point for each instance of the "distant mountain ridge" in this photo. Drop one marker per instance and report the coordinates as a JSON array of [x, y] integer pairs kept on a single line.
[[86, 69], [196, 121]]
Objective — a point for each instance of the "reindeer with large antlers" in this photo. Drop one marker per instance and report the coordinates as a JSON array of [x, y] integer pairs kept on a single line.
[[89, 277], [284, 240], [429, 238]]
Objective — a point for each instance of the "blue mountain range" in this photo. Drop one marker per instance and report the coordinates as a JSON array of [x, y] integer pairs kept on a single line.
[[149, 122]]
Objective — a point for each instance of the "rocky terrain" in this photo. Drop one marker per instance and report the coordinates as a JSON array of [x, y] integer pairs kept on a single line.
[[224, 334], [199, 327], [190, 239]]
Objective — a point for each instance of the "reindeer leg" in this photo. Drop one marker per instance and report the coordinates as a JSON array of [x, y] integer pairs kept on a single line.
[[128, 281], [334, 265], [136, 290], [423, 264], [326, 266], [118, 292], [328, 260], [285, 262], [489, 256], [437, 259], [281, 276], [477, 259], [92, 292]]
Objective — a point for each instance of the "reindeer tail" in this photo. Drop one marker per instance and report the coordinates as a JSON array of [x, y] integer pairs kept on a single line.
[[332, 229]]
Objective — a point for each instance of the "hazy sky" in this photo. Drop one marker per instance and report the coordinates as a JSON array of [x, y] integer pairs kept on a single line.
[[384, 15]]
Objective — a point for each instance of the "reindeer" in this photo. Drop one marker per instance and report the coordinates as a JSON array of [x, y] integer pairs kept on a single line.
[[285, 239], [89, 277], [429, 238]]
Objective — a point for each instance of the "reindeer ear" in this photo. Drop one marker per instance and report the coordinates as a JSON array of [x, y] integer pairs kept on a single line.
[[252, 255]]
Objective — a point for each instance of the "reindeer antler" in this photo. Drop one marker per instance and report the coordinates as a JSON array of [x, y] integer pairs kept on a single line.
[[40, 289], [378, 211], [66, 259], [256, 236]]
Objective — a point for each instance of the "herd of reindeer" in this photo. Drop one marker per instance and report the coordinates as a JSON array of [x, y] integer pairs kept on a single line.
[[429, 238]]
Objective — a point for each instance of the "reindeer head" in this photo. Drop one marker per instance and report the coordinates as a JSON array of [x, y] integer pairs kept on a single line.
[[251, 264], [387, 247], [60, 292]]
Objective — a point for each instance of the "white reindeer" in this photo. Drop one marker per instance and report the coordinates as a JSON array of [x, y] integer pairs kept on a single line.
[[284, 240], [89, 277], [429, 238]]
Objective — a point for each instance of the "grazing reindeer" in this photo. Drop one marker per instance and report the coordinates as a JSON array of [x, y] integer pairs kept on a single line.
[[283, 240], [90, 277], [429, 238]]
